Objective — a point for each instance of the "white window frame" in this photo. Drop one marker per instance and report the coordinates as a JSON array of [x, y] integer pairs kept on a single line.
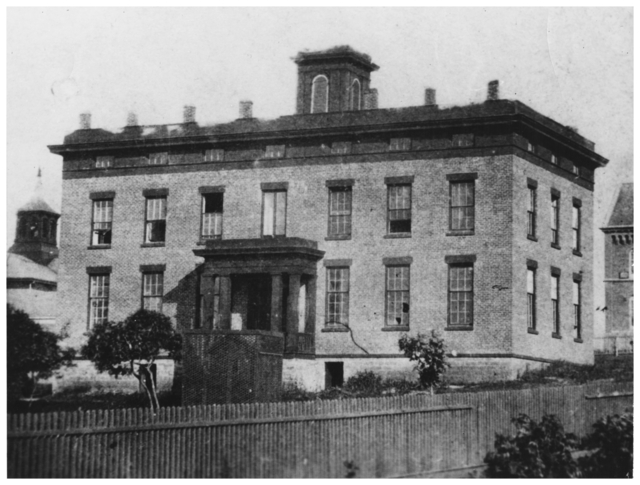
[[313, 94]]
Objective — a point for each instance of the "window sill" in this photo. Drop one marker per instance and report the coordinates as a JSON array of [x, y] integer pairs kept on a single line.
[[203, 242], [152, 245], [578, 340], [459, 329], [399, 328], [577, 253], [532, 238], [345, 237], [100, 246], [334, 329], [397, 235], [532, 331], [555, 246], [556, 335], [461, 233]]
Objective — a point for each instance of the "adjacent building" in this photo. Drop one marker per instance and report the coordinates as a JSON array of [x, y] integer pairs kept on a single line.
[[339, 228]]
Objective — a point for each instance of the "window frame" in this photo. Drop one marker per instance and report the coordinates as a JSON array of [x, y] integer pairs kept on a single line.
[[94, 222], [462, 264], [145, 297], [159, 158], [390, 187], [213, 155], [313, 93], [576, 227], [333, 190], [352, 107], [203, 196], [555, 219], [532, 314], [147, 221], [472, 184], [274, 226], [532, 210], [556, 322], [106, 288], [405, 321], [577, 308], [346, 294], [104, 161]]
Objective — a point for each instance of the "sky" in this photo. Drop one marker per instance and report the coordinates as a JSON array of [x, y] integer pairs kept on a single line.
[[574, 65]]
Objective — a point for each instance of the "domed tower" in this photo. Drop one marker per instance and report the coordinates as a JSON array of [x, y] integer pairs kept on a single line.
[[37, 228]]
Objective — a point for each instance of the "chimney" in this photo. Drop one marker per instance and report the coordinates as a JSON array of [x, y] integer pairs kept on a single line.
[[246, 109], [189, 114], [85, 121], [430, 97], [132, 119], [493, 91], [371, 99]]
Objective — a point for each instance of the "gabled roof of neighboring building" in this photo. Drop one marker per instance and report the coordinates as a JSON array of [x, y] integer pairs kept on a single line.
[[622, 212], [21, 267]]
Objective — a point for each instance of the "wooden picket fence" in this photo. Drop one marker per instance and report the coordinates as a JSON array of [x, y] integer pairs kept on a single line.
[[413, 435]]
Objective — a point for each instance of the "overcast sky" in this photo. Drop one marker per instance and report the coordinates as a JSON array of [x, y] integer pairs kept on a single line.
[[573, 65]]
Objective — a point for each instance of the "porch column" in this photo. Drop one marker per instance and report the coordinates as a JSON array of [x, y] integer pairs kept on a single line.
[[207, 292], [276, 303], [225, 302], [310, 324], [291, 342]]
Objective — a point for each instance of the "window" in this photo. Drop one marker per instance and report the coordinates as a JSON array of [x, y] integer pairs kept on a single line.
[[529, 147], [631, 262], [152, 290], [575, 169], [462, 140], [462, 204], [161, 158], [274, 212], [155, 223], [531, 212], [399, 209], [102, 221], [631, 312], [340, 211], [337, 297], [209, 302], [340, 148], [555, 219], [576, 227], [555, 303], [554, 159], [98, 299], [214, 155], [274, 151], [461, 295], [399, 144], [354, 95], [320, 94], [212, 205], [104, 161], [397, 313], [531, 298], [577, 322]]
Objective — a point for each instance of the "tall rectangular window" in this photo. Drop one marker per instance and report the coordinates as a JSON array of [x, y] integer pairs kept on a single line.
[[274, 212], [531, 298], [274, 151], [555, 303], [340, 211], [209, 302], [555, 219], [461, 295], [399, 144], [155, 220], [337, 297], [531, 212], [102, 221], [104, 161], [576, 227], [576, 169], [160, 158], [152, 291], [399, 209], [577, 317], [462, 206], [397, 296], [98, 299], [212, 206], [214, 155]]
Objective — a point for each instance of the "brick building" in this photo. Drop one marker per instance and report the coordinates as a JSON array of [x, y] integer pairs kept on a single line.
[[340, 227], [618, 263]]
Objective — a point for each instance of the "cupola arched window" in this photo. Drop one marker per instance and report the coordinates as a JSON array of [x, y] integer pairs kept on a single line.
[[320, 94], [22, 227], [34, 230], [45, 228], [354, 96]]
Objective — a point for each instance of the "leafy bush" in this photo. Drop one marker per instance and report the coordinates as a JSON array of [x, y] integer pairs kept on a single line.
[[33, 353], [131, 347], [365, 384], [429, 353], [291, 392], [612, 440], [536, 451]]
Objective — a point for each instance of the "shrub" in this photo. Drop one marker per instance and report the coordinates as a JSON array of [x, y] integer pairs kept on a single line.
[[364, 384], [429, 353], [612, 439], [536, 451], [291, 392], [33, 353]]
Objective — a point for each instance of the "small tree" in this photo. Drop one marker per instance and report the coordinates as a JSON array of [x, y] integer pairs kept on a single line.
[[131, 347], [33, 353], [429, 353], [612, 440]]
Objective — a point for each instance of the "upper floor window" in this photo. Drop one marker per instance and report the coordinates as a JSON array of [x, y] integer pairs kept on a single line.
[[212, 208], [555, 303], [274, 212], [631, 262], [152, 291], [577, 317], [575, 169], [397, 283], [274, 151], [337, 296], [462, 206], [461, 294], [102, 221], [575, 224], [341, 148], [159, 158], [340, 211], [531, 298], [462, 140], [355, 96], [156, 219], [103, 161], [320, 94], [98, 299], [530, 147], [214, 155], [399, 144], [531, 211], [555, 219], [399, 209], [554, 159]]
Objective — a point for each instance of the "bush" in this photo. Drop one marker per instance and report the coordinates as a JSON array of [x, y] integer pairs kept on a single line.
[[612, 440], [536, 451], [364, 384], [430, 355]]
